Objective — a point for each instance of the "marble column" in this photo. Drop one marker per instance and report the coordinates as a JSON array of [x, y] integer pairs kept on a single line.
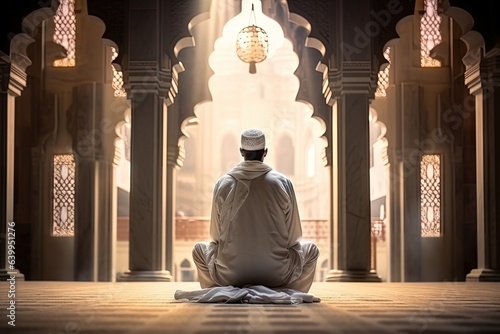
[[408, 181], [148, 79], [148, 207], [95, 227], [483, 81], [352, 220], [350, 86], [174, 160], [12, 82], [170, 214]]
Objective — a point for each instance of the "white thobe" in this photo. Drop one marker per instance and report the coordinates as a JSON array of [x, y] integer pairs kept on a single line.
[[256, 231]]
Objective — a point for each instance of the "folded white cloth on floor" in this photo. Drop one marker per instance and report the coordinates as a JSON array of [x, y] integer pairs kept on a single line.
[[252, 294]]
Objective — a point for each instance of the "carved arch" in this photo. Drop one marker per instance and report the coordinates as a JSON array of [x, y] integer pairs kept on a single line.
[[313, 41], [187, 118], [312, 72], [20, 42], [472, 39], [374, 119]]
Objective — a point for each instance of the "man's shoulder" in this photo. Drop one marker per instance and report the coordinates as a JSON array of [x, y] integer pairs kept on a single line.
[[225, 180], [275, 175]]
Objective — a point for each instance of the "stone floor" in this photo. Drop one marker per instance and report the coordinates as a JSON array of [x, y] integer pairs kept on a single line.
[[78, 307]]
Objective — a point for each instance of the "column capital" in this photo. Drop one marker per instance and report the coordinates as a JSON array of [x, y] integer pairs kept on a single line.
[[4, 72], [483, 75], [472, 78], [490, 69], [146, 77], [354, 77], [12, 78]]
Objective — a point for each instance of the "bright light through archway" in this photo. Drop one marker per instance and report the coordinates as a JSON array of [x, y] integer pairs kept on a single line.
[[265, 100]]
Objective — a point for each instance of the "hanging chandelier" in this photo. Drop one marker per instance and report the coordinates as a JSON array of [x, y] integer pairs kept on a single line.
[[252, 44]]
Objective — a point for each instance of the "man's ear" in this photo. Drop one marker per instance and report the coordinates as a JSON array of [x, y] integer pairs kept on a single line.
[[241, 151], [265, 152]]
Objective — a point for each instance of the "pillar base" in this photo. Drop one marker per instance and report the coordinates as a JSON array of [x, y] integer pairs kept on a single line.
[[146, 276], [6, 274], [352, 276], [483, 275]]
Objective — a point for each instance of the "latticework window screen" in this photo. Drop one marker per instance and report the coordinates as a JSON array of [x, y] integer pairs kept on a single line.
[[117, 78], [65, 32], [383, 75], [430, 195], [63, 224], [430, 36]]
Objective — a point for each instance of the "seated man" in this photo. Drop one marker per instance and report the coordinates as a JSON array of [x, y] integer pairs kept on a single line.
[[255, 228]]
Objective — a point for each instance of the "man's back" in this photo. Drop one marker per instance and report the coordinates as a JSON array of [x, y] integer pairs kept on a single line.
[[257, 243], [255, 227]]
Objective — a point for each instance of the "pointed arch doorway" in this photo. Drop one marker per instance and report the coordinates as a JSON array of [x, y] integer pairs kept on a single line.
[[238, 100]]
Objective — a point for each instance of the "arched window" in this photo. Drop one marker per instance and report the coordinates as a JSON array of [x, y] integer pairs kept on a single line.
[[323, 271], [63, 223], [230, 152], [117, 83], [430, 36], [285, 156], [187, 273], [430, 195], [383, 75], [65, 32]]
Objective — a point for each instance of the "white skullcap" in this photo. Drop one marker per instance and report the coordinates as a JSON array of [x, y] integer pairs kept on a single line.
[[253, 140]]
